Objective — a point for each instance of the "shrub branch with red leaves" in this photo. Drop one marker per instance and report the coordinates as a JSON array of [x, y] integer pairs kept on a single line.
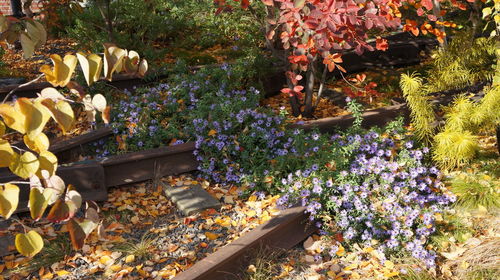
[[314, 33]]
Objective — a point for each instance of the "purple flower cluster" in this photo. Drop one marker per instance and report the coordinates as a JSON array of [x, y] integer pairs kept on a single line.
[[381, 190]]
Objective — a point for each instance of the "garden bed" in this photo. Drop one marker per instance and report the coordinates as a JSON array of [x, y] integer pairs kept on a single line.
[[145, 236]]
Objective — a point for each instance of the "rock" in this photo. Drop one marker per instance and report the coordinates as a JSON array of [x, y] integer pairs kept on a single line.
[[191, 199], [311, 245], [335, 268], [308, 243]]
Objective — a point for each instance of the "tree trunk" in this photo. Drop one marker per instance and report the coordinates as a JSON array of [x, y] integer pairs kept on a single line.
[[321, 87], [106, 16], [436, 11], [27, 8], [16, 8], [308, 104]]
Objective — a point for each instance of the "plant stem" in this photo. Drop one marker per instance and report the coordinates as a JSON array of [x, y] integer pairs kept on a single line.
[[20, 86]]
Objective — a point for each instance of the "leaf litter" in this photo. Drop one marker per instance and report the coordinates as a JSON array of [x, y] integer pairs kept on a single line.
[[144, 235]]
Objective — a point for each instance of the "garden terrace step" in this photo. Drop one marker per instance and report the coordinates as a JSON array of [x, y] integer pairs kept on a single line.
[[120, 81], [284, 231], [88, 180], [69, 150], [149, 164]]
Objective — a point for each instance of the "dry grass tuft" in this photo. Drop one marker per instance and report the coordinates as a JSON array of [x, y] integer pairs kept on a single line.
[[485, 256]]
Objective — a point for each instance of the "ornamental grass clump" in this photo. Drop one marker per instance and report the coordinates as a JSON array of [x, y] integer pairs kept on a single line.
[[379, 191]]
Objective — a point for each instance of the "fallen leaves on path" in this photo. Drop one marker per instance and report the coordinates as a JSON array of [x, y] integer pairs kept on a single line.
[[144, 235]]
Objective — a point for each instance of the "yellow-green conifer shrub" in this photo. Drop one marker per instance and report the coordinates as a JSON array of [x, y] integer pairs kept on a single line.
[[454, 68], [455, 142], [421, 111]]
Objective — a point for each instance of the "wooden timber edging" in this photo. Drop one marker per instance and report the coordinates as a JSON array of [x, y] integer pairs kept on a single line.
[[92, 178], [149, 164], [374, 117], [70, 149], [284, 231], [120, 81]]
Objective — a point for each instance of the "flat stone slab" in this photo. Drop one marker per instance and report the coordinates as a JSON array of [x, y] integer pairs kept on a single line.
[[191, 199]]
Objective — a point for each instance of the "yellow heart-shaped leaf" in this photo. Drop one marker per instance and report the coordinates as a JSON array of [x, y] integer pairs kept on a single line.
[[48, 162], [143, 68], [99, 102], [9, 198], [61, 112], [113, 60], [62, 71], [24, 165], [12, 117], [6, 153], [29, 244], [132, 62], [91, 66], [51, 93], [39, 144], [38, 201], [36, 116]]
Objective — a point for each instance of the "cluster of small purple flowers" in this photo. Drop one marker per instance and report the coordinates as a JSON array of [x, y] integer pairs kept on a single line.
[[381, 189]]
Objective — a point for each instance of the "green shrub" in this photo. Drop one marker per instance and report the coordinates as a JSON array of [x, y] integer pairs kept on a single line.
[[136, 24]]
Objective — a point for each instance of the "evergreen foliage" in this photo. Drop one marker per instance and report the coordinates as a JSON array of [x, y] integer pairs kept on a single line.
[[453, 68], [455, 140]]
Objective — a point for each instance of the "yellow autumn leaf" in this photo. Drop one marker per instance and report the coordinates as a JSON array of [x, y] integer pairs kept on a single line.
[[48, 162], [389, 264], [61, 112], [143, 68], [12, 117], [131, 62], [91, 66], [29, 244], [251, 213], [6, 153], [35, 114], [39, 144], [60, 74], [212, 132], [106, 260], [113, 60], [129, 258], [38, 201], [340, 251], [211, 235], [62, 272], [2, 128], [24, 165], [9, 198]]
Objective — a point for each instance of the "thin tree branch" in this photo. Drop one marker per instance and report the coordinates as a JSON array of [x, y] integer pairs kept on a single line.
[[321, 86]]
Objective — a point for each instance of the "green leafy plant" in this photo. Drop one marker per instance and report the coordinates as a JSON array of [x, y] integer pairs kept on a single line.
[[29, 32]]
